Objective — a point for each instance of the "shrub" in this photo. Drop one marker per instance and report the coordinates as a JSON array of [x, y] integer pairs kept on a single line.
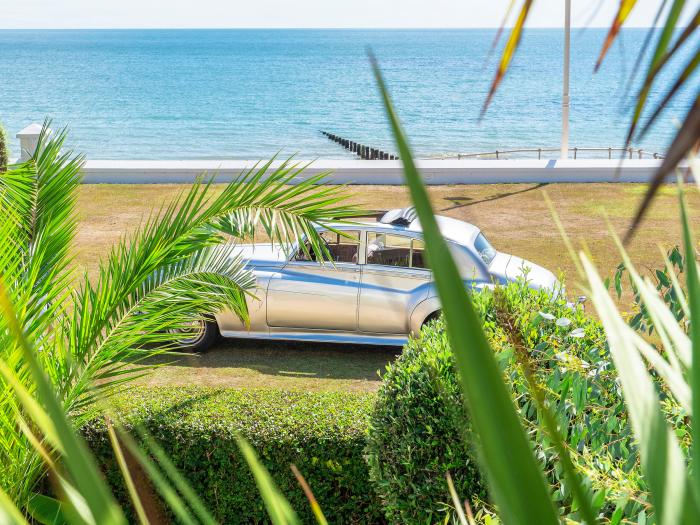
[[323, 434], [417, 431]]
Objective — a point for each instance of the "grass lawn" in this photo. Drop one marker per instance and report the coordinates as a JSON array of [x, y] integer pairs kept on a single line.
[[515, 218]]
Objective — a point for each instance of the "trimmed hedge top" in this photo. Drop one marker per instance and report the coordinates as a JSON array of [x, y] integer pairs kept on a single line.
[[268, 414], [323, 434]]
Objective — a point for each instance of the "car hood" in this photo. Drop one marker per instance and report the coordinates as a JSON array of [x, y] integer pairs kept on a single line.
[[506, 267], [261, 254]]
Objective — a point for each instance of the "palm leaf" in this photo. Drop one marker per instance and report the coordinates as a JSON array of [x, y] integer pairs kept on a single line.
[[278, 508], [645, 46], [9, 513], [508, 52], [53, 422], [661, 456], [660, 58], [166, 478], [175, 502], [516, 480], [126, 474], [46, 510], [287, 205], [693, 286], [685, 140], [623, 11], [175, 268], [688, 70], [315, 507], [499, 32]]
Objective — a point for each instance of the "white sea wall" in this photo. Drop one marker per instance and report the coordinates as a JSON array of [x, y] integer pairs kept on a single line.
[[380, 171], [437, 171]]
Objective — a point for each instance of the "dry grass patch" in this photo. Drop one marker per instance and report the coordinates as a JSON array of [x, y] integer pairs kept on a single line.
[[515, 217]]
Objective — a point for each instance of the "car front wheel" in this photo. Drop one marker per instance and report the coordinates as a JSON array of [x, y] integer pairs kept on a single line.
[[198, 337]]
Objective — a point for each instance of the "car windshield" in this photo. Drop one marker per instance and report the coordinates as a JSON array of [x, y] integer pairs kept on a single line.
[[484, 249]]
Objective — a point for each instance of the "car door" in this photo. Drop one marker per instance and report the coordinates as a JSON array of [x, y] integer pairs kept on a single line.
[[395, 278], [308, 294]]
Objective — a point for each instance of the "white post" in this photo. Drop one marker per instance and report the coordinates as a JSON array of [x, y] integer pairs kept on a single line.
[[28, 140], [565, 97]]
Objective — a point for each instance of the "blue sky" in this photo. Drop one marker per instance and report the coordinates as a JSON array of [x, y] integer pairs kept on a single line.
[[304, 13]]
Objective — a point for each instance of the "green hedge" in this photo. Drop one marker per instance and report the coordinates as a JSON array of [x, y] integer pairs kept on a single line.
[[417, 431], [323, 434]]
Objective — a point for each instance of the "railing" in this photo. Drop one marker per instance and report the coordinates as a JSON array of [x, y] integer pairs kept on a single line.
[[611, 153]]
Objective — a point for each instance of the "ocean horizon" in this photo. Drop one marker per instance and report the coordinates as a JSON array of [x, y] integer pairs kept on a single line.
[[253, 93]]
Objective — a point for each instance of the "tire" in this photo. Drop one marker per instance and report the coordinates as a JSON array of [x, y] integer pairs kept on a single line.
[[431, 317], [205, 334]]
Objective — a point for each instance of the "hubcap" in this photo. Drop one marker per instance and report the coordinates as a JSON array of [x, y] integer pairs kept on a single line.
[[193, 333]]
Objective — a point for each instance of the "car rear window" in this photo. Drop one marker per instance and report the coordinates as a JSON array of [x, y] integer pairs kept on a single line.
[[395, 250]]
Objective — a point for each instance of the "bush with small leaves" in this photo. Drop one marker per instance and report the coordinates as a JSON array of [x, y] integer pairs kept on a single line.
[[322, 433], [419, 433]]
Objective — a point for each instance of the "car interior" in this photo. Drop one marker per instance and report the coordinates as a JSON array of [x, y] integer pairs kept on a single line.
[[342, 248], [382, 249]]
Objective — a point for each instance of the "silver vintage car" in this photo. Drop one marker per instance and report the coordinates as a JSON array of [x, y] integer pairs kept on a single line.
[[378, 290]]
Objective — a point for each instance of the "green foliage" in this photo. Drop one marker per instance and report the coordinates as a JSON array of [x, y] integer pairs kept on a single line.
[[4, 154], [571, 362], [504, 447], [89, 333], [667, 281], [323, 434], [418, 431]]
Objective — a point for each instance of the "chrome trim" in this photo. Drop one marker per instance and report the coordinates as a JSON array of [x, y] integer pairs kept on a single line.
[[320, 336], [308, 302]]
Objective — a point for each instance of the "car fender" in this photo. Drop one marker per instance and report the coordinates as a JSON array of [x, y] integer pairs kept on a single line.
[[422, 311], [431, 304], [257, 306]]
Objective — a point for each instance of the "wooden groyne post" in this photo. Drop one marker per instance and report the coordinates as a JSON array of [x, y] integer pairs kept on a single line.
[[362, 151]]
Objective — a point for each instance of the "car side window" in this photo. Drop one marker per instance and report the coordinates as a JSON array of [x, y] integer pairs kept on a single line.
[[395, 250], [343, 248], [418, 257]]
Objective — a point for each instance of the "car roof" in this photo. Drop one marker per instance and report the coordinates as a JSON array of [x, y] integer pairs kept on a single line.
[[455, 230]]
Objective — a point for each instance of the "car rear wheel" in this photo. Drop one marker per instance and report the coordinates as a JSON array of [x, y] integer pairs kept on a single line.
[[431, 317], [198, 337]]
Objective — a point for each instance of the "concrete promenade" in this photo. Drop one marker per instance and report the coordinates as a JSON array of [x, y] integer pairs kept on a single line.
[[384, 172]]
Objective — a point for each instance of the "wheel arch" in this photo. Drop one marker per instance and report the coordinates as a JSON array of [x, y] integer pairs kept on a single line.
[[422, 312]]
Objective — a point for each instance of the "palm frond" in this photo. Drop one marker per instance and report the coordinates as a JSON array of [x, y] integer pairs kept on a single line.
[[660, 58], [685, 141], [48, 415], [623, 11], [287, 205], [683, 77], [638, 66], [499, 31], [202, 285], [508, 52], [175, 268]]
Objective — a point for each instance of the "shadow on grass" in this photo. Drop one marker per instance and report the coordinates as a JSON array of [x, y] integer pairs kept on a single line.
[[289, 359], [463, 202]]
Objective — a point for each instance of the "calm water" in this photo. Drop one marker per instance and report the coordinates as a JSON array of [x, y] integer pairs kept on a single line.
[[250, 93]]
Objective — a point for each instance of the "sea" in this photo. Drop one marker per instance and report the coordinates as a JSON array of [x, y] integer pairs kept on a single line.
[[251, 94]]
